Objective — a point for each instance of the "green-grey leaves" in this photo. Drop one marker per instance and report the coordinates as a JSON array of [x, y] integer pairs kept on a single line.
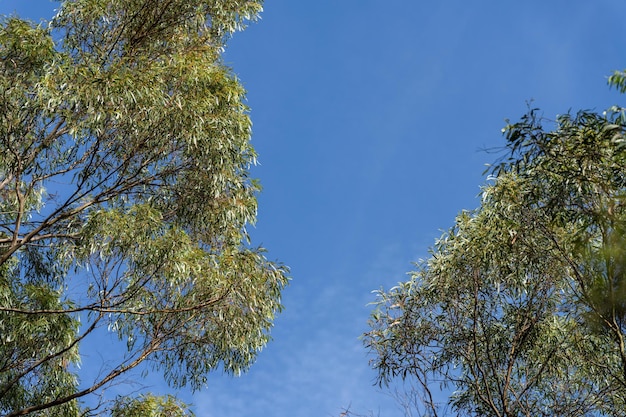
[[124, 200]]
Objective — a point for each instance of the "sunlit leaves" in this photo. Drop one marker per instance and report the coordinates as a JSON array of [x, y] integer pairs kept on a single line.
[[618, 80], [124, 198], [25, 49], [149, 406], [521, 298]]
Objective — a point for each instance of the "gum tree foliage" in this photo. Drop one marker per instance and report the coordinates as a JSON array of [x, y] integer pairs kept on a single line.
[[521, 308], [149, 406], [124, 199]]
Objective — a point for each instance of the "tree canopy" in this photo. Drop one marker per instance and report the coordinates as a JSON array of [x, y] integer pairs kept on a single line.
[[125, 194], [521, 308]]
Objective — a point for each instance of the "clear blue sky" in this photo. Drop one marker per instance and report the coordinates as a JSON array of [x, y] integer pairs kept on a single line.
[[370, 118]]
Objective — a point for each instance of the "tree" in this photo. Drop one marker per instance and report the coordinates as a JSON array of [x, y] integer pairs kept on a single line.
[[521, 308], [124, 199]]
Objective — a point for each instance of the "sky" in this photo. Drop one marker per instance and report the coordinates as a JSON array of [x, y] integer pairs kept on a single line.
[[372, 120]]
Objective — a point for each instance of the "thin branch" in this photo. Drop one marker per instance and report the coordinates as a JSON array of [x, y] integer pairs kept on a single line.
[[41, 361], [150, 349]]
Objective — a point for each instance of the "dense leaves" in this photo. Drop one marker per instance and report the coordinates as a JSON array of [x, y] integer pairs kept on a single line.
[[124, 199], [521, 308], [149, 406]]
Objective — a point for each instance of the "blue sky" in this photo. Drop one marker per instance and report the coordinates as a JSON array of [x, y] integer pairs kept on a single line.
[[370, 120]]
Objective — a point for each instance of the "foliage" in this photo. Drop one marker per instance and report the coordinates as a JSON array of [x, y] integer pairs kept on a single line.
[[618, 80], [149, 406], [124, 199], [521, 308]]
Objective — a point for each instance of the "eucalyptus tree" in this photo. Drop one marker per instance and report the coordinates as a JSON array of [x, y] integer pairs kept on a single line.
[[125, 195], [521, 308]]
